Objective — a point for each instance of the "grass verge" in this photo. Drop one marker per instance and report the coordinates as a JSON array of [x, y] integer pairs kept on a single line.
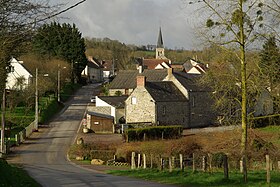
[[188, 178], [11, 175]]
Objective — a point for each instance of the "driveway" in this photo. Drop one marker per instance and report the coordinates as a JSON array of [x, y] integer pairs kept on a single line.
[[43, 155]]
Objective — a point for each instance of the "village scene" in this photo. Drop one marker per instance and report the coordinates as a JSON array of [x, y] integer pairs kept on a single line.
[[83, 110]]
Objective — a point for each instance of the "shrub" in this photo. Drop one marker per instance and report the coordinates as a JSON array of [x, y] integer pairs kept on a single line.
[[153, 133]]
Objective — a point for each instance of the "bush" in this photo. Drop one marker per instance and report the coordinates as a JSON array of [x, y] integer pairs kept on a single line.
[[153, 133]]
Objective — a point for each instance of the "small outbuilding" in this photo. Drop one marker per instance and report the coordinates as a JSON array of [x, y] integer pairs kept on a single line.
[[100, 123]]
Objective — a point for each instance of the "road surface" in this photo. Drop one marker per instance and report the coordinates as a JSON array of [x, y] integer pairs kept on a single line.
[[43, 156]]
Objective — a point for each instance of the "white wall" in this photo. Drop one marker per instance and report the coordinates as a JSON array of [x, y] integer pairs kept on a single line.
[[19, 71], [100, 102]]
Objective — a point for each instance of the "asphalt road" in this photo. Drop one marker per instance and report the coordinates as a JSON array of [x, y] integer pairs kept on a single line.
[[43, 156]]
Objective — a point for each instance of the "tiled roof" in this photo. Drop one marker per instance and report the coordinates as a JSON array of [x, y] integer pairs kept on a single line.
[[126, 79], [164, 91], [116, 101], [152, 63]]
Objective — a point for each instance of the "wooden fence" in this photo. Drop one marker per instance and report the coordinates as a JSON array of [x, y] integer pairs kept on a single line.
[[196, 162]]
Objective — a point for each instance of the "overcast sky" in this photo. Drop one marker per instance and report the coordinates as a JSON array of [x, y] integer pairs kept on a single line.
[[134, 21]]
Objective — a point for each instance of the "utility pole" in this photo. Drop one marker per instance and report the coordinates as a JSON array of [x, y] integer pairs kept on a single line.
[[58, 86], [36, 101], [3, 122]]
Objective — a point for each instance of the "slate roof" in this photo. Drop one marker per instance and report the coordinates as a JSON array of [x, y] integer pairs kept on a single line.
[[164, 91], [116, 101], [126, 79], [190, 81]]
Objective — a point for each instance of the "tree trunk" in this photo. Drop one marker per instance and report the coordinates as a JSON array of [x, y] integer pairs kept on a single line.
[[244, 94]]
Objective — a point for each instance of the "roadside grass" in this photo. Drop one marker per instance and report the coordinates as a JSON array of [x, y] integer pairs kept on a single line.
[[11, 175], [188, 178]]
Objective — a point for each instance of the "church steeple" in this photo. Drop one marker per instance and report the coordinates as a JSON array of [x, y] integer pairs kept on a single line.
[[160, 41], [160, 47]]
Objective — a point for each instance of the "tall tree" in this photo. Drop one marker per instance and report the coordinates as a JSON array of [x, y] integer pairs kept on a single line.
[[270, 62], [235, 23], [63, 41]]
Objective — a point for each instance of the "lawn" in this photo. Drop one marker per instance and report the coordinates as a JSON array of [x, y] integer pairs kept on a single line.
[[188, 178], [14, 176]]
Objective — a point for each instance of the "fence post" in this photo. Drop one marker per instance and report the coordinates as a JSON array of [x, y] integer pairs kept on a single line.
[[133, 160], [144, 161], [161, 163], [267, 169], [139, 161], [204, 163], [241, 166], [151, 160], [181, 162], [193, 162], [225, 160], [170, 164], [210, 162], [144, 137]]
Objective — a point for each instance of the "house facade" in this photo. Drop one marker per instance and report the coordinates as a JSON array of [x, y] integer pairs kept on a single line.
[[156, 103], [116, 104], [93, 70], [19, 77]]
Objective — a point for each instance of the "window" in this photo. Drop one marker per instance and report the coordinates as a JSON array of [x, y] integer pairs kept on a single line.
[[133, 100], [193, 101], [164, 110]]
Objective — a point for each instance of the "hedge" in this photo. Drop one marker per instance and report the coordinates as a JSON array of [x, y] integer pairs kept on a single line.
[[153, 133]]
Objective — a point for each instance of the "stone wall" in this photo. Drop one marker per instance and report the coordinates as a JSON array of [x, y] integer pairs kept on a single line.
[[201, 109], [143, 108], [173, 113]]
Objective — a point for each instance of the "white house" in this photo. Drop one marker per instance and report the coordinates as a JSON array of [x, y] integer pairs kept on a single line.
[[93, 70], [18, 73], [116, 104]]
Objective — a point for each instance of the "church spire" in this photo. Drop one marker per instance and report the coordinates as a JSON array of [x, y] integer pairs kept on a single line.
[[160, 41], [160, 47]]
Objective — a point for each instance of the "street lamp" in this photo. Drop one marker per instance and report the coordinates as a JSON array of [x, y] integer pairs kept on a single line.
[[37, 100], [58, 83], [3, 122]]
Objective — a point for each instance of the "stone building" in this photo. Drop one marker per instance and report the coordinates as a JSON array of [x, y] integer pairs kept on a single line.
[[159, 103]]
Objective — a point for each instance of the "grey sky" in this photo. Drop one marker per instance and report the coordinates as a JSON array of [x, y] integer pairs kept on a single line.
[[134, 21]]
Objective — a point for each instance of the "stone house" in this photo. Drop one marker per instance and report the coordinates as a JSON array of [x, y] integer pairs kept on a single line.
[[200, 102], [159, 103]]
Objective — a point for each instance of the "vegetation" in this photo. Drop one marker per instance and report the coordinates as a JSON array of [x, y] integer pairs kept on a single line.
[[188, 178], [64, 42], [14, 176], [152, 133]]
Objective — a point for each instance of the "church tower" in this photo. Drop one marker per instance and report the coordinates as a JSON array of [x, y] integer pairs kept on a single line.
[[160, 47]]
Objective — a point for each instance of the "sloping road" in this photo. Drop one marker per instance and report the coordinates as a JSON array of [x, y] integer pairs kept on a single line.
[[44, 154]]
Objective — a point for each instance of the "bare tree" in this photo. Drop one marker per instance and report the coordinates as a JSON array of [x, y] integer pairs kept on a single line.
[[234, 23]]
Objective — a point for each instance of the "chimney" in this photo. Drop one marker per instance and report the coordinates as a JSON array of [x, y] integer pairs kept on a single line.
[[140, 68], [170, 72], [141, 80]]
